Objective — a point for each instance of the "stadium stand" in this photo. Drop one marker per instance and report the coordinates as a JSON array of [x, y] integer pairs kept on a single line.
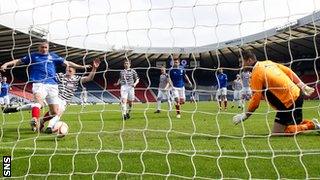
[[103, 95]]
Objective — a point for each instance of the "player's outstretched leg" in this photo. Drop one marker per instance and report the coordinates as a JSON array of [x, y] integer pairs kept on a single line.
[[9, 109], [25, 107]]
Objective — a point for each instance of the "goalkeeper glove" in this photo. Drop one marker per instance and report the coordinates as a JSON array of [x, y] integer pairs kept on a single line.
[[239, 118], [307, 90]]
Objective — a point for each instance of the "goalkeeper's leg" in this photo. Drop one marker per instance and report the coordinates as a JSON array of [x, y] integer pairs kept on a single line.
[[303, 126], [291, 122]]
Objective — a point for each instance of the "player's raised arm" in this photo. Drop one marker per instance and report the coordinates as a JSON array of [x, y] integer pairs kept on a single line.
[[12, 63], [187, 78], [76, 66], [90, 77]]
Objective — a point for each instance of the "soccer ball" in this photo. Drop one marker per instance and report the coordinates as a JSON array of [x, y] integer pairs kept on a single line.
[[61, 129]]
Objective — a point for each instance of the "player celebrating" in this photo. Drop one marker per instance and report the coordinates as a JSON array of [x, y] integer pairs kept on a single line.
[[128, 80], [42, 72], [177, 77], [222, 89], [282, 89], [4, 95], [246, 90], [237, 87], [163, 91]]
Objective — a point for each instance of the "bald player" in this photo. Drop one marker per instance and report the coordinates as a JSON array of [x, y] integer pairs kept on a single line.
[[282, 89]]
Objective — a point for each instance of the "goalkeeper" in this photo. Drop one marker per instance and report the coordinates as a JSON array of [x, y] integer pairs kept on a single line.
[[282, 89]]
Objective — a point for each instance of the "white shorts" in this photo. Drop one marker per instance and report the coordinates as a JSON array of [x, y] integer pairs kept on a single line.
[[179, 93], [48, 92], [237, 94], [62, 105], [5, 100], [84, 100], [127, 92], [246, 91], [163, 94], [222, 91]]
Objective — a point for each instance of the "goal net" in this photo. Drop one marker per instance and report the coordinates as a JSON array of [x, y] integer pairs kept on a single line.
[[154, 142]]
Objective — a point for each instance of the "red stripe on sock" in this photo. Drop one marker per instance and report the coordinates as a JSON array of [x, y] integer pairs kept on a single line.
[[35, 112]]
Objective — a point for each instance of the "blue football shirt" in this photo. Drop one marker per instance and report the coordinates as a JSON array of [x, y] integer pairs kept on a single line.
[[177, 76], [4, 89], [222, 80], [42, 67]]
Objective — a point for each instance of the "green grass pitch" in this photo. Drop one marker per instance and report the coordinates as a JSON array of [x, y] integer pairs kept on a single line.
[[202, 144]]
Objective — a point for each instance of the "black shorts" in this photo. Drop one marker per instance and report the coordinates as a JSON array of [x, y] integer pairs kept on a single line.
[[286, 116]]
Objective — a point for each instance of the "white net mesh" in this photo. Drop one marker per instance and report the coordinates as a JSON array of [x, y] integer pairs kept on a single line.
[[207, 35]]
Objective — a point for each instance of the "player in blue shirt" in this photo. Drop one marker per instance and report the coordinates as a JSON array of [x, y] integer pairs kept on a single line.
[[42, 72], [177, 77], [222, 80], [4, 95]]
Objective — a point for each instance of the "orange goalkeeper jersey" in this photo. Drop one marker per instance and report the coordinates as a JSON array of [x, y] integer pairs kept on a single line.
[[277, 79]]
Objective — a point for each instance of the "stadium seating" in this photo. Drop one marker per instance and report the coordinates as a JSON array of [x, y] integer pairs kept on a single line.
[[20, 93], [103, 95]]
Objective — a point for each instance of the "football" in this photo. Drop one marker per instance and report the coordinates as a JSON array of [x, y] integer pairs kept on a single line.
[[61, 129]]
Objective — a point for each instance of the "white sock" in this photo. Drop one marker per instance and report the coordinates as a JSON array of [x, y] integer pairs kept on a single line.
[[25, 107], [170, 105], [124, 108], [53, 121], [158, 105]]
